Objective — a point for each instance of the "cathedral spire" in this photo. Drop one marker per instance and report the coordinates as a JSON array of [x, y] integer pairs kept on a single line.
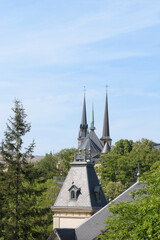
[[92, 127], [83, 126], [84, 114], [106, 134]]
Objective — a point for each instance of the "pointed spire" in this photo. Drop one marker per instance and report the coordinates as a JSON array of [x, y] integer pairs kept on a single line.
[[84, 114], [92, 127], [106, 134], [106, 119], [83, 126]]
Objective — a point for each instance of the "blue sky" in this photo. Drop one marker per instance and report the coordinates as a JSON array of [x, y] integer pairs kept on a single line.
[[50, 49]]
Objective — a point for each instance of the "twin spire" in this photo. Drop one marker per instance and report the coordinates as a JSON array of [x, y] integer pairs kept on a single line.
[[92, 127], [105, 139], [83, 132]]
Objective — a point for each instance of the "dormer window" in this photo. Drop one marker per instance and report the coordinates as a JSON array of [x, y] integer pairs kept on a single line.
[[74, 192], [97, 191]]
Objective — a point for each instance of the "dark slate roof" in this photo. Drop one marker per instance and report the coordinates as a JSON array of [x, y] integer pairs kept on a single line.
[[92, 227], [62, 233], [92, 127], [106, 148], [105, 132], [96, 156], [84, 114], [83, 126], [156, 145], [91, 142], [83, 176]]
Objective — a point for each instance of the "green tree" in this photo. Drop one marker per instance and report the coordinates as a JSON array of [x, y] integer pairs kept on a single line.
[[122, 167], [45, 201], [122, 147], [2, 198], [22, 183], [48, 166], [139, 219], [65, 157], [113, 189], [57, 164]]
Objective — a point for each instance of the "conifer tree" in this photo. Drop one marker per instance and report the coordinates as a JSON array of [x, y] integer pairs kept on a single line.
[[21, 184]]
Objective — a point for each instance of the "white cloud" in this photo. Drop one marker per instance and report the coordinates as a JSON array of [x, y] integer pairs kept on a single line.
[[66, 43]]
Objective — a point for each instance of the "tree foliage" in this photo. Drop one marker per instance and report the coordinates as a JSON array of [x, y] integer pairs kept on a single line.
[[21, 184], [45, 201], [139, 219], [113, 189], [121, 164], [48, 166], [57, 164], [122, 147], [123, 167], [65, 157]]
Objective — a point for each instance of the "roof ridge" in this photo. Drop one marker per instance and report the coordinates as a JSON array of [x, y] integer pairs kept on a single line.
[[136, 183]]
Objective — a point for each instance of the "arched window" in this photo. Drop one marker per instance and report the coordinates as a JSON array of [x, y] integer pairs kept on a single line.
[[74, 192], [73, 195]]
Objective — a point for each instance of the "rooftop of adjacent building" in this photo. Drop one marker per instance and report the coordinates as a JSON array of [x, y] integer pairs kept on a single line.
[[92, 227], [82, 178]]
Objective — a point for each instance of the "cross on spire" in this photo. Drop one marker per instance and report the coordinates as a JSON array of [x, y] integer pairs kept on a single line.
[[105, 133], [106, 88]]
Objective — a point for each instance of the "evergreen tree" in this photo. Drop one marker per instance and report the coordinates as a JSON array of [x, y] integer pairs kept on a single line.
[[21, 184]]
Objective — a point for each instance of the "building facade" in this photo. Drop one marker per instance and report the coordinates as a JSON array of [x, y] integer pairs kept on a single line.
[[81, 194], [88, 140]]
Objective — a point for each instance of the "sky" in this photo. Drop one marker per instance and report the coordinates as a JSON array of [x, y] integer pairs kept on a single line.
[[50, 50]]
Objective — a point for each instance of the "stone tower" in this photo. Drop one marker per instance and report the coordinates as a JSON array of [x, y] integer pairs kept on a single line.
[[81, 194]]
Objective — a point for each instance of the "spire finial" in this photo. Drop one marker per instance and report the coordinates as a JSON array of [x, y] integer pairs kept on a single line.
[[105, 133], [107, 88], [84, 90], [138, 174], [106, 118], [92, 127]]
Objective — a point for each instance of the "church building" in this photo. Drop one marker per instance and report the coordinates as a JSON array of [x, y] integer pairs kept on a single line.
[[81, 195], [88, 140], [81, 207]]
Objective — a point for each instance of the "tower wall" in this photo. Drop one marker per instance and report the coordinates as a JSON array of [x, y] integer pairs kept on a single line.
[[80, 196], [70, 219]]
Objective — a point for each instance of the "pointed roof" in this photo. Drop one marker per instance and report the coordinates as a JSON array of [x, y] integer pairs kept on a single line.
[[84, 114], [91, 228], [83, 126], [92, 127], [83, 176], [106, 148], [105, 132], [91, 142]]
